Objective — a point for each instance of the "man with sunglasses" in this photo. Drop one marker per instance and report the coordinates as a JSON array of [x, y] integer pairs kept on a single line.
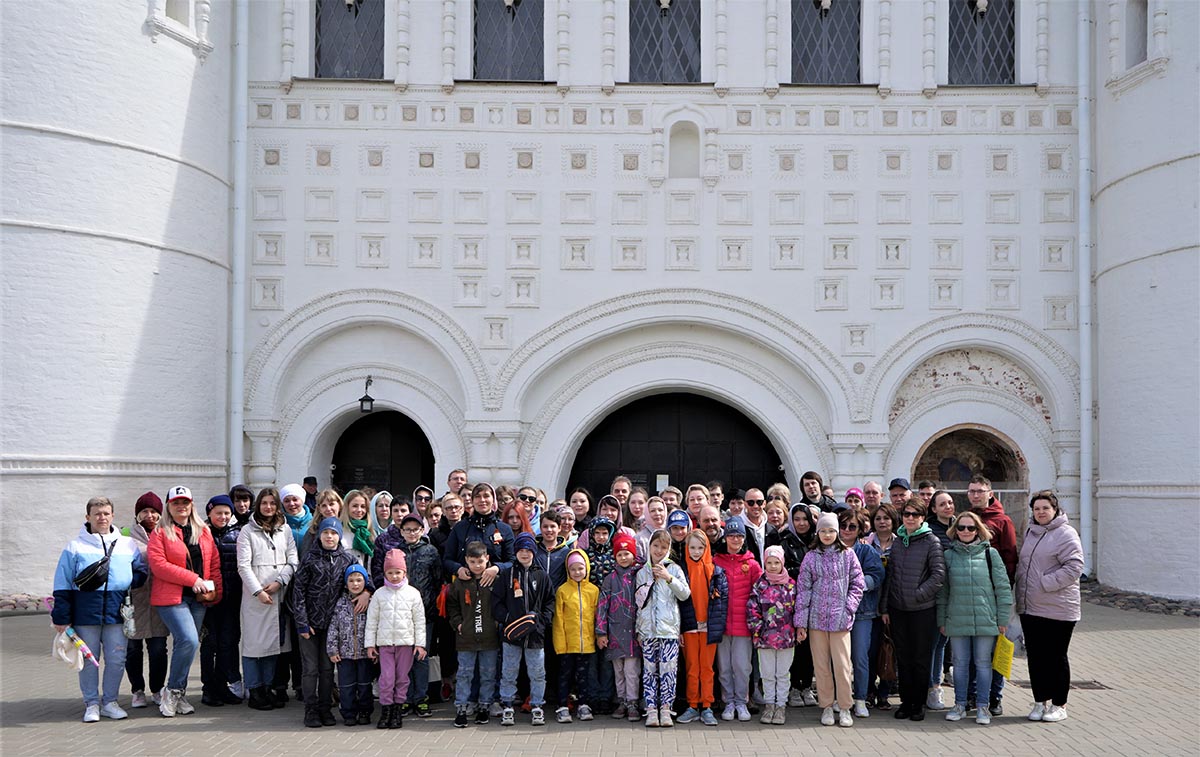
[[755, 518], [422, 496], [1004, 540], [527, 500]]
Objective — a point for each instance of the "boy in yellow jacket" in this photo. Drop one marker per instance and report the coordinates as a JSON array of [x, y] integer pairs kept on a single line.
[[575, 634]]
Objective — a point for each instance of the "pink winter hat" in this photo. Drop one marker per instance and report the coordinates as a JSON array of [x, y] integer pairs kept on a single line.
[[395, 560]]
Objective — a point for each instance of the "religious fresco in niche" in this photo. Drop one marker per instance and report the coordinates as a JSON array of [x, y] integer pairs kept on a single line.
[[967, 367]]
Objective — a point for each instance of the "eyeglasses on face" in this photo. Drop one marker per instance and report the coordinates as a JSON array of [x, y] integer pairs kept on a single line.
[[411, 530]]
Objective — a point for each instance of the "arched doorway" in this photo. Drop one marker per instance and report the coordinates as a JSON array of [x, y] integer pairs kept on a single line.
[[685, 437], [954, 456], [383, 450]]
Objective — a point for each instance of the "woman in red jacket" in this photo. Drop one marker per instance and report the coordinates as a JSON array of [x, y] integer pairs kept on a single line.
[[187, 576]]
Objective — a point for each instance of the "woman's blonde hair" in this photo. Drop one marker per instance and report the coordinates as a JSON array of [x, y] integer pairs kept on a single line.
[[344, 513], [982, 532], [322, 498], [167, 525], [780, 490]]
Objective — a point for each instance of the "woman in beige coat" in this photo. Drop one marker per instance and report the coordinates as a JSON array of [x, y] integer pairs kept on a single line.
[[150, 631]]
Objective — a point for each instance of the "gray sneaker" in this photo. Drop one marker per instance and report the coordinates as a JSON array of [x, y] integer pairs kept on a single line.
[[539, 716], [690, 715], [166, 703], [707, 717], [182, 705], [584, 712], [507, 716]]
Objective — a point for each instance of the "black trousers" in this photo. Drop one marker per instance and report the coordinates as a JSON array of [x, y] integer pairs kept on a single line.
[[354, 686], [317, 670], [1046, 643], [913, 633], [156, 646], [573, 676], [801, 671], [220, 661]]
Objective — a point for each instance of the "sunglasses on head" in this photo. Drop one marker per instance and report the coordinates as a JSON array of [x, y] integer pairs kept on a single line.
[[527, 498], [963, 527]]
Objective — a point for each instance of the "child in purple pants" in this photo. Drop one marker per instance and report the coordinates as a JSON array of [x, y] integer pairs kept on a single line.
[[395, 631]]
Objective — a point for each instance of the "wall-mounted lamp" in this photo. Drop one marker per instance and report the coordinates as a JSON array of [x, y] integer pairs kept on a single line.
[[366, 403]]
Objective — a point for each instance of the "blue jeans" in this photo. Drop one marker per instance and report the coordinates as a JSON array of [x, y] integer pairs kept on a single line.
[[935, 668], [184, 621], [860, 655], [108, 639], [259, 671], [535, 663], [418, 687], [487, 676], [963, 648]]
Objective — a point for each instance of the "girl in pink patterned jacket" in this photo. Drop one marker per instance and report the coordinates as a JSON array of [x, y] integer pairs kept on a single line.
[[769, 614], [828, 590]]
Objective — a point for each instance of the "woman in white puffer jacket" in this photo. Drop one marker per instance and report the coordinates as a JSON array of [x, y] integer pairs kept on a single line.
[[395, 635]]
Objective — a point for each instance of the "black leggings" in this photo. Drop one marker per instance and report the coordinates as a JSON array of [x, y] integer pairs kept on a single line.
[[913, 633], [1046, 643], [156, 647]]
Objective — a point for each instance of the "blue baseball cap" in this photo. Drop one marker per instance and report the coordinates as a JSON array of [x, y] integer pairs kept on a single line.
[[679, 518]]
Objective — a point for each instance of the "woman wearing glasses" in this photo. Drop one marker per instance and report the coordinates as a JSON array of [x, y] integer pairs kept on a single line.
[[972, 609], [908, 605]]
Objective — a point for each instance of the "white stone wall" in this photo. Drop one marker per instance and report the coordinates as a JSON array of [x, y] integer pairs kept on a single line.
[[1146, 272], [114, 237]]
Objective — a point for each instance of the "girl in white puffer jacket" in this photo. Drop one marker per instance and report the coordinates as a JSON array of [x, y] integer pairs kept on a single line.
[[395, 635]]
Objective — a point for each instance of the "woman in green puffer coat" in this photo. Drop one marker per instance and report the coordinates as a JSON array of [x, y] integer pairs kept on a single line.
[[972, 608]]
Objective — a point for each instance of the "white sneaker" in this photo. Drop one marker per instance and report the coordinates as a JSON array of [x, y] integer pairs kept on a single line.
[[1054, 714], [182, 705], [113, 711], [166, 703], [844, 719], [827, 716], [157, 698], [860, 709], [934, 700], [584, 712], [743, 712], [729, 712], [239, 689], [982, 716], [810, 699], [795, 698], [139, 700], [538, 716], [91, 713], [1039, 710], [956, 713], [563, 715], [507, 716]]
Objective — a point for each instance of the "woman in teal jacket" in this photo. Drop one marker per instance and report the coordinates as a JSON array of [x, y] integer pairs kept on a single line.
[[972, 608]]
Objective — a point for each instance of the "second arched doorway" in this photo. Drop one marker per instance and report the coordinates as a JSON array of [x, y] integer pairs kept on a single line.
[[957, 454], [685, 437], [383, 450]]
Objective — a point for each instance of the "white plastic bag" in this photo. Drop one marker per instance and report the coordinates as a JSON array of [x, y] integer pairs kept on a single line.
[[65, 650], [1016, 635]]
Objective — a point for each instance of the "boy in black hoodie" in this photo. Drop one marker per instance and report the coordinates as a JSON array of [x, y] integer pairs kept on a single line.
[[469, 607], [523, 605]]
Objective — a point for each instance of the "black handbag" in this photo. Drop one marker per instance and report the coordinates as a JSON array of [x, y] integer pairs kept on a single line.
[[95, 575]]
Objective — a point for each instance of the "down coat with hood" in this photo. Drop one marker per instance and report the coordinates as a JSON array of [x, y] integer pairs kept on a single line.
[[601, 560], [126, 569], [265, 557], [1049, 570], [396, 617], [975, 599], [616, 616], [915, 572], [575, 612], [828, 590], [659, 602], [741, 571], [318, 584], [347, 630]]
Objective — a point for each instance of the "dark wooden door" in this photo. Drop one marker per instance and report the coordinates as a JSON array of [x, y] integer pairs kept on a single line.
[[384, 450], [689, 438]]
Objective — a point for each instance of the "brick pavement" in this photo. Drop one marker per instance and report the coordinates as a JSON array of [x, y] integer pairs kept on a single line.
[[1151, 662]]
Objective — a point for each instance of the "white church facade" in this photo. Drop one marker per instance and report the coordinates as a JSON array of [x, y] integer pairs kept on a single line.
[[733, 238]]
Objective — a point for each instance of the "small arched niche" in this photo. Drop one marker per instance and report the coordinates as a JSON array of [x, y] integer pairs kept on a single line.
[[685, 151]]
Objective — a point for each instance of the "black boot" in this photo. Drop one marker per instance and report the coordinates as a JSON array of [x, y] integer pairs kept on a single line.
[[326, 716], [397, 718], [260, 698], [311, 719], [385, 716], [279, 697]]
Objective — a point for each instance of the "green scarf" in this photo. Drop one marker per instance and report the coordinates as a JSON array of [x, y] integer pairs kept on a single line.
[[904, 535], [362, 537]]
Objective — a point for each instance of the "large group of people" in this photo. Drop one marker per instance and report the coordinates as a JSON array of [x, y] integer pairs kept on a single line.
[[698, 605]]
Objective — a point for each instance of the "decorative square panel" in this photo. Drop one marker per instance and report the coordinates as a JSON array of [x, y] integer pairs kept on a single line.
[[1004, 254], [494, 334], [373, 205], [831, 293], [468, 291], [321, 159], [320, 204], [1057, 254], [1003, 294], [424, 252], [733, 254], [372, 251], [841, 163], [682, 254], [271, 158], [803, 117], [268, 204], [629, 207], [893, 207], [373, 159], [945, 253], [1003, 207], [1001, 161], [524, 291], [470, 251], [682, 207], [945, 293], [787, 253], [734, 208], [470, 206], [887, 293], [944, 164], [787, 207], [628, 254], [841, 252], [577, 254], [1058, 206], [892, 253], [1056, 161], [268, 293], [841, 207], [320, 249], [524, 252], [408, 113], [858, 339], [295, 111], [894, 163], [523, 206], [268, 248], [578, 207], [945, 207], [425, 206], [1060, 312]]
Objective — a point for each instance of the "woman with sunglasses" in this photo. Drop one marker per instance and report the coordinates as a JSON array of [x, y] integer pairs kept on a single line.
[[908, 605], [972, 609], [851, 523], [941, 521]]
